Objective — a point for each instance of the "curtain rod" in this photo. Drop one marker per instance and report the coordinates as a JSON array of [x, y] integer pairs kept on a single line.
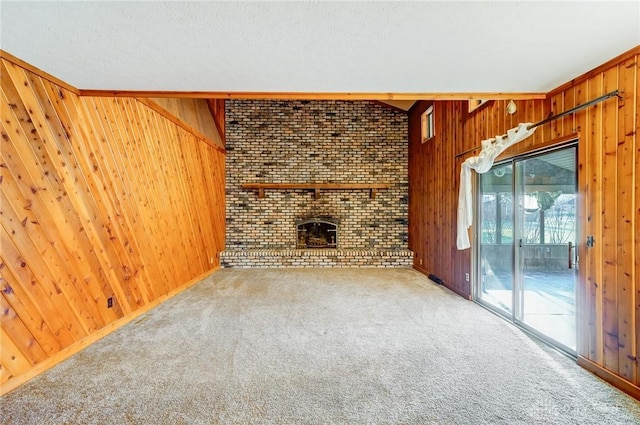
[[555, 117]]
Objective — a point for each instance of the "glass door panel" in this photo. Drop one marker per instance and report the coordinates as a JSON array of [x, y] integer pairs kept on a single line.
[[526, 219], [496, 238], [546, 237]]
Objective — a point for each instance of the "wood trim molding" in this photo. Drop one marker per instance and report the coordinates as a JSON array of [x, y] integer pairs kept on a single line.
[[587, 75], [391, 107], [541, 147], [313, 186], [159, 109], [615, 380], [215, 106], [446, 285], [272, 95], [78, 346], [312, 95], [40, 73], [316, 187], [457, 291]]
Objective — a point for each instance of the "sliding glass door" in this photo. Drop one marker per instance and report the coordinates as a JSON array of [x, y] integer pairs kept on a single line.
[[496, 238], [546, 236], [527, 225]]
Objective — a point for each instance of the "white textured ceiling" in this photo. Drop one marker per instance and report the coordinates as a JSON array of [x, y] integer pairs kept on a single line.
[[395, 47]]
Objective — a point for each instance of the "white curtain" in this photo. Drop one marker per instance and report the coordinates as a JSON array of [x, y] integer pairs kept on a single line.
[[482, 163]]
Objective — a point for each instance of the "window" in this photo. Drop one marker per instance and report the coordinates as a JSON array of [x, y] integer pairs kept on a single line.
[[428, 130]]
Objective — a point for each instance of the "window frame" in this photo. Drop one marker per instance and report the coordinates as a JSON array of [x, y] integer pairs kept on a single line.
[[427, 124]]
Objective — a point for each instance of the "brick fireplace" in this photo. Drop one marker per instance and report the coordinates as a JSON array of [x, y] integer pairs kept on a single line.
[[317, 232], [341, 145]]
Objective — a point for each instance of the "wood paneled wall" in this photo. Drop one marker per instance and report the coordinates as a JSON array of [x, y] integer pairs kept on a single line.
[[433, 194], [196, 113], [101, 198], [609, 207], [609, 181], [217, 108]]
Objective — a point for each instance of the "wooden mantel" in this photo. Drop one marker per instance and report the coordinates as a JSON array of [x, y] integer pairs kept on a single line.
[[316, 187]]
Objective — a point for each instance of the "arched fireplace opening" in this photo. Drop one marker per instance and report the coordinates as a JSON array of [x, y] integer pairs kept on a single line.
[[317, 232]]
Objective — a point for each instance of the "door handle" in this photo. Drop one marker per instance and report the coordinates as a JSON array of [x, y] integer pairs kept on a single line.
[[570, 257]]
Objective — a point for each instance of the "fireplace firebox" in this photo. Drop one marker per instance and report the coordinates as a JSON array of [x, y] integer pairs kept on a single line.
[[317, 232]]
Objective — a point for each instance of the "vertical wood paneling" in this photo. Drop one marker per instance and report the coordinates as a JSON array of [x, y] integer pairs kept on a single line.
[[99, 198], [608, 293], [568, 102], [433, 198], [593, 206], [557, 106], [609, 223], [216, 106], [636, 253], [627, 332], [581, 124]]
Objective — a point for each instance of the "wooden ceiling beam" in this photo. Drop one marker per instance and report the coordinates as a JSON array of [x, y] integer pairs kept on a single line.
[[313, 95]]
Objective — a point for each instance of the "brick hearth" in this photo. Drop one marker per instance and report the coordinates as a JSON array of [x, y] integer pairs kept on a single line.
[[315, 258]]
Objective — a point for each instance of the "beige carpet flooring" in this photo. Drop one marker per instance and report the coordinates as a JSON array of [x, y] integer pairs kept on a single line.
[[318, 346]]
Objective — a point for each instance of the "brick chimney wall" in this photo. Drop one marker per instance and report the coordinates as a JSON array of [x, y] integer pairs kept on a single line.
[[315, 142]]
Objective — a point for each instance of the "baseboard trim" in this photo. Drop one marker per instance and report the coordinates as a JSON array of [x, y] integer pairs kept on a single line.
[[615, 380], [74, 348], [446, 285]]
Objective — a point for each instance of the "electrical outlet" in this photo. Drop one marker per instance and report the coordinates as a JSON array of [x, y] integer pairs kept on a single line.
[[421, 261], [109, 302], [211, 261], [466, 277]]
